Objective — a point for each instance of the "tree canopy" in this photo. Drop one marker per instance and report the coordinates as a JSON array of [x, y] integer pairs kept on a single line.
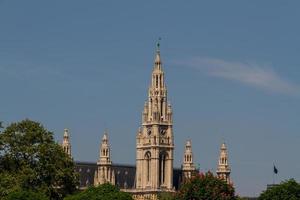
[[287, 190], [26, 195], [103, 192], [31, 160], [206, 187]]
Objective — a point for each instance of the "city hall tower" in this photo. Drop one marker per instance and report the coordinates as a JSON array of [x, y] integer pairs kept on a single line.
[[154, 140]]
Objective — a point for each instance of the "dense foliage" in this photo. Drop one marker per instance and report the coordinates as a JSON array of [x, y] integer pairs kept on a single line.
[[102, 192], [26, 195], [166, 196], [31, 160], [287, 190], [206, 187]]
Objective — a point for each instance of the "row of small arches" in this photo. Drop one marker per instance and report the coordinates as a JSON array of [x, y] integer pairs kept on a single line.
[[188, 158], [223, 160], [105, 152]]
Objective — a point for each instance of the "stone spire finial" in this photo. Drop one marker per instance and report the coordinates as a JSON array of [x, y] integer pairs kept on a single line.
[[223, 170], [104, 173], [105, 137], [104, 157], [157, 61], [188, 166], [66, 145], [66, 133]]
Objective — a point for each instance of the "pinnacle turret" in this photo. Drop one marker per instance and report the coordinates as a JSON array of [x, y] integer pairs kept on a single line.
[[104, 172], [223, 170], [66, 145], [104, 155], [188, 166]]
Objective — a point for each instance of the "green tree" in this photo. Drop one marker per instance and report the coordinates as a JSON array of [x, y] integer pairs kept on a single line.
[[26, 195], [287, 190], [206, 187], [102, 192], [166, 196], [31, 160]]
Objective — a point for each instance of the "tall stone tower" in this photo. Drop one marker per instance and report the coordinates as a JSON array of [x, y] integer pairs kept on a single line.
[[154, 140], [104, 172], [66, 144], [223, 170], [188, 167]]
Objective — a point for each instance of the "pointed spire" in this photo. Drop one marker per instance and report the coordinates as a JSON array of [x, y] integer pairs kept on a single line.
[[66, 133], [223, 170], [157, 58], [223, 146], [188, 153], [66, 142], [105, 137], [188, 144], [104, 155], [104, 163], [188, 166], [157, 62]]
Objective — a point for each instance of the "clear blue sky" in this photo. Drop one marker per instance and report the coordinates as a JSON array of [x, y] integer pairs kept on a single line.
[[232, 71]]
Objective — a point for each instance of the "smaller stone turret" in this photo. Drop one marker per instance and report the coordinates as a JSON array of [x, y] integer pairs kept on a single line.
[[223, 170], [66, 145], [104, 173], [188, 167]]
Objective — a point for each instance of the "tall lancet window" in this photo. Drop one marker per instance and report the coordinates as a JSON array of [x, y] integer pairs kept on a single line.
[[160, 83], [148, 158], [162, 167]]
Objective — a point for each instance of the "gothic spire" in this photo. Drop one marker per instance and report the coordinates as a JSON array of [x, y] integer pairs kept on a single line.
[[223, 170], [104, 157], [104, 172], [157, 62], [66, 145], [154, 141], [188, 166]]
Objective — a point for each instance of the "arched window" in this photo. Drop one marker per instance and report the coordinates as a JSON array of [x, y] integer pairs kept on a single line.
[[148, 159], [160, 81], [162, 167]]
